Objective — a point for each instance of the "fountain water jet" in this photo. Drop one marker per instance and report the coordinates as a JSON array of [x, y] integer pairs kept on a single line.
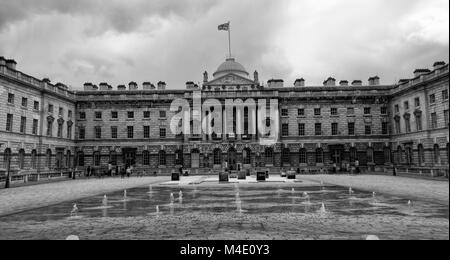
[[350, 191], [323, 210], [105, 201], [74, 211]]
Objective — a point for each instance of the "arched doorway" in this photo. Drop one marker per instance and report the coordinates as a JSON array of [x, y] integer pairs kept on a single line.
[[232, 159], [195, 159]]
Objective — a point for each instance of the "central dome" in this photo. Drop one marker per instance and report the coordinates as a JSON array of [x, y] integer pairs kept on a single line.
[[230, 66]]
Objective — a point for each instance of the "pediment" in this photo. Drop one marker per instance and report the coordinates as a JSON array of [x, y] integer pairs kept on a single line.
[[229, 80]]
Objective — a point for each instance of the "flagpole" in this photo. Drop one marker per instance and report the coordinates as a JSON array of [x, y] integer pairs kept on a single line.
[[229, 38]]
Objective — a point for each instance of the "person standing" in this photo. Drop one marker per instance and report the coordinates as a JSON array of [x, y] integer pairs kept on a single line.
[[88, 171], [357, 167], [394, 171]]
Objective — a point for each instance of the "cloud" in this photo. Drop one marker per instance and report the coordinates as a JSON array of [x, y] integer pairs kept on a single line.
[[175, 41]]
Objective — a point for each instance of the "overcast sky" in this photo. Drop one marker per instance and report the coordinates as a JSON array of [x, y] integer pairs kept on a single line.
[[119, 41]]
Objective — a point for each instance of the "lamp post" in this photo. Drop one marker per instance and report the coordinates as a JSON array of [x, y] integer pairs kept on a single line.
[[8, 173]]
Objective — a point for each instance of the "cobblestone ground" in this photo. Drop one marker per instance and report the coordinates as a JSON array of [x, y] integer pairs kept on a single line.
[[418, 189], [234, 227], [30, 197]]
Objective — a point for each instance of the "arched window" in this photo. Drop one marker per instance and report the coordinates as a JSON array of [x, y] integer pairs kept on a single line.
[[33, 159], [319, 155], [217, 157], [113, 157], [437, 154], [399, 155], [247, 156], [21, 159], [302, 159], [421, 154], [387, 155], [179, 157], [353, 154], [97, 159], [7, 157], [48, 159], [285, 156], [145, 158], [370, 155], [162, 158], [69, 159], [80, 159], [269, 156]]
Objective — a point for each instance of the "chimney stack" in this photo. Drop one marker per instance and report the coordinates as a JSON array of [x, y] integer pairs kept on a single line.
[[275, 83], [330, 82], [190, 85], [299, 83], [343, 83], [121, 88], [374, 81], [132, 86], [105, 86], [357, 83], [148, 86], [420, 72], [205, 77], [11, 64], [161, 85], [90, 87], [2, 61], [438, 64]]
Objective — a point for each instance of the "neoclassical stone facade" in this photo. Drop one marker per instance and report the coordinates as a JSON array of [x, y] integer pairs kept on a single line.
[[378, 126]]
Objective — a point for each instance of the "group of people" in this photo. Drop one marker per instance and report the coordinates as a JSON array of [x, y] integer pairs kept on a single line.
[[111, 171], [346, 167]]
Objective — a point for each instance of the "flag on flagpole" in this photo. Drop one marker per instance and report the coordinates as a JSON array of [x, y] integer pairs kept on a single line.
[[224, 27]]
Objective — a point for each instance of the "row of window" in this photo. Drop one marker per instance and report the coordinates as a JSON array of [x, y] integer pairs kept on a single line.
[[418, 122], [417, 102], [98, 115], [351, 129], [7, 156], [114, 132], [23, 124], [333, 111], [24, 104]]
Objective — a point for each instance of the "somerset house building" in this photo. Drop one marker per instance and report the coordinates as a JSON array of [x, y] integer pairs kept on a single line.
[[47, 127]]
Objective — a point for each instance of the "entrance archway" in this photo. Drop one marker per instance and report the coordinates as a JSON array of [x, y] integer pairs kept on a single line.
[[195, 159]]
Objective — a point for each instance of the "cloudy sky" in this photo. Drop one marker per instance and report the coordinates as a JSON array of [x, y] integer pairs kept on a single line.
[[119, 41]]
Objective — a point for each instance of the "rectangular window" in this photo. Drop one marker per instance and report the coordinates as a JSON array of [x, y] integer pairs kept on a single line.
[[351, 128], [113, 132], [301, 112], [23, 125], [61, 111], [419, 122], [98, 132], [284, 112], [384, 110], [82, 115], [406, 105], [24, 102], [98, 115], [334, 111], [397, 109], [130, 115], [318, 129], [146, 131], [385, 128], [334, 129], [446, 117], [368, 130], [407, 125], [317, 111], [301, 129], [130, 132], [35, 126], [162, 133], [285, 130], [445, 94], [69, 131], [114, 115], [50, 128], [162, 114], [434, 121], [417, 102], [432, 99], [82, 133], [69, 114], [60, 130], [398, 129], [350, 111], [10, 98], [36, 105], [9, 122], [146, 114], [367, 111], [50, 108]]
